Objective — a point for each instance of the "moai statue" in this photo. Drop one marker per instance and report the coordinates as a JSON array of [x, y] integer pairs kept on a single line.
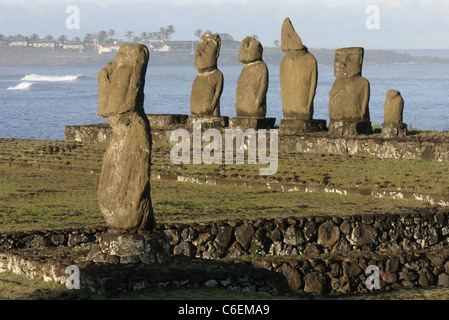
[[298, 74], [124, 188], [350, 94], [208, 84], [393, 126], [252, 87]]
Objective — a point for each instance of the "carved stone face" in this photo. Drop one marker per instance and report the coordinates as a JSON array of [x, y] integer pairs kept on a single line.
[[250, 50], [348, 62], [121, 82], [207, 51]]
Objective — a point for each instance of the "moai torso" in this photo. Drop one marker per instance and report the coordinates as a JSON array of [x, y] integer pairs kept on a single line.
[[124, 187], [298, 75], [394, 107], [252, 85], [208, 85], [350, 93]]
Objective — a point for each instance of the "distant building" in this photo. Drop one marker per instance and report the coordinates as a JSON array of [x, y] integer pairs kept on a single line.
[[73, 45], [18, 42], [159, 47], [43, 44], [108, 47]]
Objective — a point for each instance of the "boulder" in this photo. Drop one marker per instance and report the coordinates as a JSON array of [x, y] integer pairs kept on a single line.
[[328, 234]]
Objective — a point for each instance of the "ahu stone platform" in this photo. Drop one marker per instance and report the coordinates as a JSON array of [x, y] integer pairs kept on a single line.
[[371, 145]]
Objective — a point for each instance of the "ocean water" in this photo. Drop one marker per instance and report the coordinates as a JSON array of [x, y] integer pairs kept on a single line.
[[37, 103]]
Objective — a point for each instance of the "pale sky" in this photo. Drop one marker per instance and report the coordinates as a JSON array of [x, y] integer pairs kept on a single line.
[[394, 24]]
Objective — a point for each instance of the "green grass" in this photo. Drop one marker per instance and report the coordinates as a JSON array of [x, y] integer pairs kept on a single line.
[[40, 199]]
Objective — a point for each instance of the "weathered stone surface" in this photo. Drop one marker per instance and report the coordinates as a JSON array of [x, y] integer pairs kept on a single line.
[[244, 234], [252, 85], [342, 128], [394, 107], [393, 127], [350, 93], [124, 187], [315, 283], [388, 277], [298, 126], [328, 234], [363, 235], [293, 236], [298, 74], [208, 85], [293, 277], [245, 123], [122, 244]]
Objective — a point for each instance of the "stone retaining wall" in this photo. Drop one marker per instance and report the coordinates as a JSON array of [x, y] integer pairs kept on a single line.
[[318, 255], [312, 235], [337, 274], [277, 236]]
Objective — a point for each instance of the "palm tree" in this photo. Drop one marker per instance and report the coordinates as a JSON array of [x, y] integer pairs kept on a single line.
[[144, 36], [255, 36], [129, 35], [62, 38], [276, 43], [170, 29], [34, 37], [88, 38], [162, 33], [111, 33], [49, 37], [102, 36], [198, 33]]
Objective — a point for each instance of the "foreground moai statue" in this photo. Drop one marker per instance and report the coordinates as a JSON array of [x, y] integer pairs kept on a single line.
[[124, 188], [393, 126], [208, 85], [350, 94], [298, 74], [252, 87]]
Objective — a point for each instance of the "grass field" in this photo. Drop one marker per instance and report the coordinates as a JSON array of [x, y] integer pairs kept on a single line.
[[36, 199]]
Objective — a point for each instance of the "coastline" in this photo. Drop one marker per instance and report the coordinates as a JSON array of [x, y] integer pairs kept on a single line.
[[15, 57]]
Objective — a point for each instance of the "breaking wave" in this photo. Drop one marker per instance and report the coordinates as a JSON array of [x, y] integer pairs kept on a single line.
[[21, 86], [37, 77]]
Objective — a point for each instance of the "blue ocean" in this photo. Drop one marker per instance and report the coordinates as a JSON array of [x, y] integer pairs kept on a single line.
[[37, 102]]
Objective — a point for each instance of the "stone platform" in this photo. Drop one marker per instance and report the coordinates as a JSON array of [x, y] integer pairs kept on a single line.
[[245, 123], [349, 128], [299, 127], [394, 130]]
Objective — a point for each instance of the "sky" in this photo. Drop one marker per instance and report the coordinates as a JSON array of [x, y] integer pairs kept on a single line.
[[373, 24]]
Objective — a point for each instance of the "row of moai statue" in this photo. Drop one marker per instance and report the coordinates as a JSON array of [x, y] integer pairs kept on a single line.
[[348, 98]]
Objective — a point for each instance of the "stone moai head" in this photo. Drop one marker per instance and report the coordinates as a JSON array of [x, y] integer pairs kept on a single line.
[[122, 81], [250, 50], [207, 52], [290, 40], [394, 107], [348, 62], [291, 43]]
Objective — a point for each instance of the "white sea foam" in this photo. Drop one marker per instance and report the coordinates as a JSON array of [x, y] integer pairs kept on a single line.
[[21, 86], [38, 77]]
